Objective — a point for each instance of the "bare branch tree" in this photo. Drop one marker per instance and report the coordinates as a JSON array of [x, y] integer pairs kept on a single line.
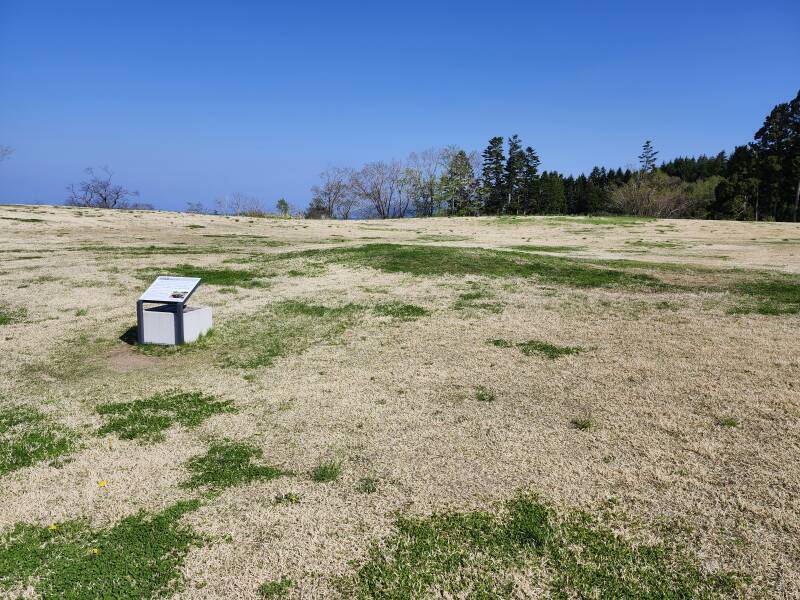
[[98, 191], [5, 152], [239, 204], [335, 193], [422, 173], [380, 186]]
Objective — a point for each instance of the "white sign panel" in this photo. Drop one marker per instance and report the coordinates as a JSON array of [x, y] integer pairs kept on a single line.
[[170, 289]]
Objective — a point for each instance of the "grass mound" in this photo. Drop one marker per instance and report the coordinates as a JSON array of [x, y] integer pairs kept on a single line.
[[28, 437], [147, 419], [227, 464], [140, 557], [570, 555]]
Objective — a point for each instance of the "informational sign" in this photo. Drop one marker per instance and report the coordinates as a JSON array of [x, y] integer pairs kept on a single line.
[[170, 289]]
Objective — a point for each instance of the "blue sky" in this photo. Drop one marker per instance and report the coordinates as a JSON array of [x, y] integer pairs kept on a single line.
[[187, 101]]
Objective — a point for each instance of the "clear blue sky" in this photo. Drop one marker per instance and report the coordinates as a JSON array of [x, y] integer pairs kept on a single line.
[[190, 100]]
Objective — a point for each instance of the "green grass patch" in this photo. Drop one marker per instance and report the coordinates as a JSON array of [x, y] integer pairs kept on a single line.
[[11, 315], [326, 471], [23, 220], [569, 554], [649, 244], [28, 437], [728, 422], [288, 498], [279, 588], [150, 250], [258, 339], [483, 394], [500, 343], [195, 226], [250, 240], [551, 351], [287, 328], [441, 237], [602, 220], [367, 485], [477, 298], [582, 423], [403, 312], [532, 347], [146, 420], [450, 260], [222, 276], [139, 557], [227, 464], [538, 248], [778, 296]]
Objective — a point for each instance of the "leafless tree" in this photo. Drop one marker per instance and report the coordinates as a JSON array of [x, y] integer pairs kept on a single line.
[[335, 192], [422, 173], [5, 152], [380, 186], [239, 204], [98, 191]]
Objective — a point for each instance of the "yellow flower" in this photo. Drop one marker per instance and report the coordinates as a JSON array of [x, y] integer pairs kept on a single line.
[[95, 551], [102, 483], [53, 527]]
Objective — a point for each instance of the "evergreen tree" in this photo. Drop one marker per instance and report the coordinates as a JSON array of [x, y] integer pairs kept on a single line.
[[459, 186], [553, 198], [530, 182], [647, 159], [492, 178], [777, 149], [514, 176]]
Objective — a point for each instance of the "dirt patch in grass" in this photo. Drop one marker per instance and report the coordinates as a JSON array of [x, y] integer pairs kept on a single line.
[[28, 437], [567, 554], [139, 557], [146, 420], [123, 359]]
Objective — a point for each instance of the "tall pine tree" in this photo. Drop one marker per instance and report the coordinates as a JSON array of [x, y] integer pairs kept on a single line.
[[515, 166], [530, 182], [493, 177]]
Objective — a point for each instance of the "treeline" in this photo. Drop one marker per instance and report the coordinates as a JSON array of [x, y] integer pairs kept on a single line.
[[759, 180]]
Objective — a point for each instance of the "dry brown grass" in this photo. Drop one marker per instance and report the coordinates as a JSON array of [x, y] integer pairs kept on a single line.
[[394, 399]]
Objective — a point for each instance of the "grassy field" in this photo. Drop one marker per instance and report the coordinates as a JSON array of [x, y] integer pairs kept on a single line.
[[512, 407]]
